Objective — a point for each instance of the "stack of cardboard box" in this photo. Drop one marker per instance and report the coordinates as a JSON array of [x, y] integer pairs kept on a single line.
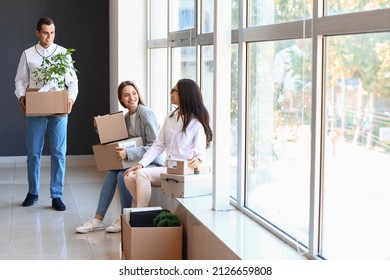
[[113, 134], [183, 181]]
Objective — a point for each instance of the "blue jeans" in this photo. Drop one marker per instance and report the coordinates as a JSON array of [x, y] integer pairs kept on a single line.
[[113, 177], [56, 129]]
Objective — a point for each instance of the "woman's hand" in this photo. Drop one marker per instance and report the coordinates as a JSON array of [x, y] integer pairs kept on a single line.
[[194, 163], [133, 169], [120, 153]]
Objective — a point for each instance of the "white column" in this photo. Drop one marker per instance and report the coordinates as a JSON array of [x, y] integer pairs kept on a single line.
[[221, 107]]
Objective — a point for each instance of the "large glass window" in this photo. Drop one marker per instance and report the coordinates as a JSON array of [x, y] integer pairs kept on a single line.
[[182, 15], [159, 83], [264, 12], [183, 63], [207, 84], [207, 77], [335, 7], [279, 116], [304, 168], [234, 123], [207, 16], [235, 14], [356, 197]]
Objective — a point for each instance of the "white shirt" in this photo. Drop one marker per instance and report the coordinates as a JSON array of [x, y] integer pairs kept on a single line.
[[177, 144], [283, 73], [30, 60], [132, 132]]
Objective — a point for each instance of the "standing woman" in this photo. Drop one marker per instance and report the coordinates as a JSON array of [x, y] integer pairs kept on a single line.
[[140, 122], [185, 135]]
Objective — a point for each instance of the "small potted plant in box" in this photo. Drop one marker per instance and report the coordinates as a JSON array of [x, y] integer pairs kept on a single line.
[[52, 70], [166, 219], [52, 98]]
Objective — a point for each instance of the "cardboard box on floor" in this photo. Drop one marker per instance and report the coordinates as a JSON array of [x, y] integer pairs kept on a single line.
[[151, 243], [46, 103], [111, 127], [186, 185], [105, 157]]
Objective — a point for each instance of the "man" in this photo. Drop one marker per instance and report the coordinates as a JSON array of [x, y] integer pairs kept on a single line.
[[37, 127]]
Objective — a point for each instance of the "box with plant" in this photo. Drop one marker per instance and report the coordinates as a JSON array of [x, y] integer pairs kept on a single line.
[[53, 97], [53, 69], [166, 219]]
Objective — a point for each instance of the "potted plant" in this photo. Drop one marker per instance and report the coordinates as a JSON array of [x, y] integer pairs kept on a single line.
[[53, 68], [50, 75], [166, 219]]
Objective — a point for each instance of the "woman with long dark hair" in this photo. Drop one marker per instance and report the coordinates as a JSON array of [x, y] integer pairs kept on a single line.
[[185, 136]]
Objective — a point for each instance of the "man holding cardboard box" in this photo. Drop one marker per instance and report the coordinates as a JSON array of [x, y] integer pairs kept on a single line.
[[54, 125]]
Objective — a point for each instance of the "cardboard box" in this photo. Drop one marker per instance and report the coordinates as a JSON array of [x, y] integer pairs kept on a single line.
[[186, 185], [46, 103], [151, 243], [105, 157], [111, 127], [126, 211], [178, 167]]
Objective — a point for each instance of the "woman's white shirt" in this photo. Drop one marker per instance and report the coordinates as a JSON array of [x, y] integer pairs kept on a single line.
[[178, 145]]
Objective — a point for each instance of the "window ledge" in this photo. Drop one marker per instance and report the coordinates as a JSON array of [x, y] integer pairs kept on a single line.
[[240, 234]]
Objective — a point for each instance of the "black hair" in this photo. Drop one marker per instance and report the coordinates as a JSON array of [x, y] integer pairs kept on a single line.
[[44, 20], [191, 105]]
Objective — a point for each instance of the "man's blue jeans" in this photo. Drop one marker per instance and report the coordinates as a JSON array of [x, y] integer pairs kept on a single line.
[[113, 177], [56, 129]]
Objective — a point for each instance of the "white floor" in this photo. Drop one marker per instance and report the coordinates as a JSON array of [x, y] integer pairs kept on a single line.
[[41, 233]]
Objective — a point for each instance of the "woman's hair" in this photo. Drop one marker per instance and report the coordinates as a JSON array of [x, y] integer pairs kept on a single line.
[[44, 20], [191, 105], [125, 84]]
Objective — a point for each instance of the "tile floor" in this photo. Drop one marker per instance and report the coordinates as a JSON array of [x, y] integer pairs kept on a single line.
[[41, 233]]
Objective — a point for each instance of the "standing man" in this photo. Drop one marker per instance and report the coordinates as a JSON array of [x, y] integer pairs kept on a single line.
[[37, 127]]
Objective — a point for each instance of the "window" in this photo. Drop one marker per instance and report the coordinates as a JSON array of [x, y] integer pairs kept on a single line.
[[309, 114], [159, 89], [183, 63], [279, 117], [182, 15], [335, 7], [207, 16], [233, 157], [356, 199], [264, 12]]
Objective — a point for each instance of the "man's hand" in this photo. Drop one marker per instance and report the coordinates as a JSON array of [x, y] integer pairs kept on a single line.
[[22, 101], [70, 105]]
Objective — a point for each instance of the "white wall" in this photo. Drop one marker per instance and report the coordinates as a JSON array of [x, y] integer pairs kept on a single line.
[[128, 46]]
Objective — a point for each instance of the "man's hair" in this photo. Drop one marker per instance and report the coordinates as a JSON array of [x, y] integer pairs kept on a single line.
[[42, 21]]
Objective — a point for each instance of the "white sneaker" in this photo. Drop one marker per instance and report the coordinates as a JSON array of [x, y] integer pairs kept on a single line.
[[115, 226], [91, 225]]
